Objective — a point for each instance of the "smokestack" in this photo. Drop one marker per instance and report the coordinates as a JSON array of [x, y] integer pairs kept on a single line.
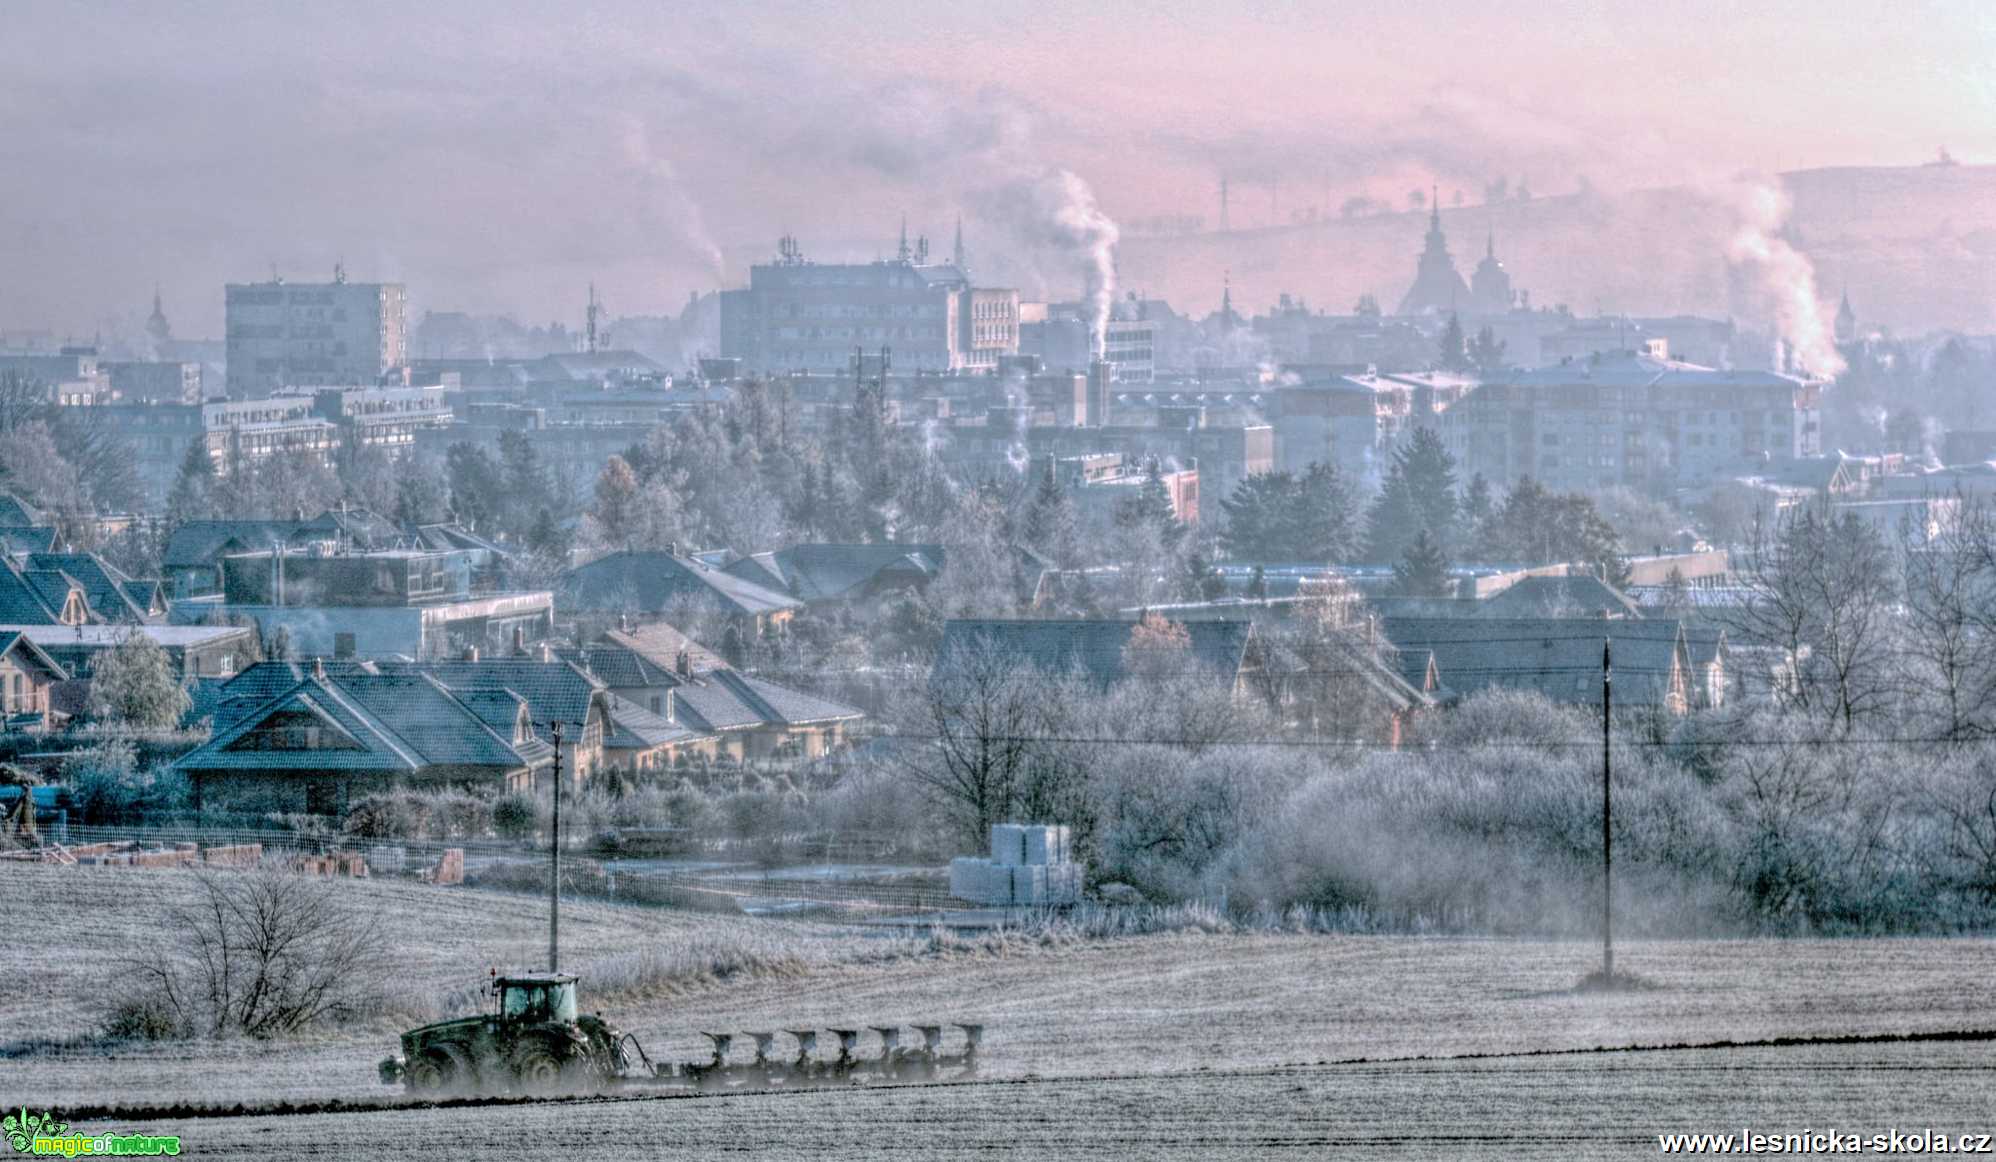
[[1098, 392]]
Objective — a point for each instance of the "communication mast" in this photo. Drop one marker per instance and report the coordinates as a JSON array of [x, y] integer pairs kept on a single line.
[[590, 315]]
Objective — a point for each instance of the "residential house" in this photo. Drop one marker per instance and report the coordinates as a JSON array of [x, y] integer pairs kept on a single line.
[[663, 584], [1654, 664], [729, 714], [318, 743], [27, 678], [1097, 648], [831, 574]]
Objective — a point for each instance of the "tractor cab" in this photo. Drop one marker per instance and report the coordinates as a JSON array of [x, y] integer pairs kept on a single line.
[[537, 997]]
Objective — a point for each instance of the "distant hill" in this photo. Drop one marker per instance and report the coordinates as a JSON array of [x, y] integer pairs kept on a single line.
[[1915, 245]]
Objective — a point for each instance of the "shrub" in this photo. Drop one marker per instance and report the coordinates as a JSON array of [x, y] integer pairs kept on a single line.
[[515, 815]]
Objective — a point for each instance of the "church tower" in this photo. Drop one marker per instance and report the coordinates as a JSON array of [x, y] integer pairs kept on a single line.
[[1846, 324], [1438, 287], [1490, 286], [157, 328]]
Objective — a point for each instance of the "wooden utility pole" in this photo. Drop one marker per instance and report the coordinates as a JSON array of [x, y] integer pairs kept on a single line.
[[554, 879], [1607, 817]]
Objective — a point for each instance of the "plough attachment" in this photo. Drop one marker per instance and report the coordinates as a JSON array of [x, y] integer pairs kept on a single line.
[[891, 1061], [535, 1042]]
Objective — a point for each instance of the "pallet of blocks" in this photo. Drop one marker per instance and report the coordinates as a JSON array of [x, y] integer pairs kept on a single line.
[[1029, 865]]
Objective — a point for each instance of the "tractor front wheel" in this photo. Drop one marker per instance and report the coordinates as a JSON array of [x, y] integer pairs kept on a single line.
[[435, 1071]]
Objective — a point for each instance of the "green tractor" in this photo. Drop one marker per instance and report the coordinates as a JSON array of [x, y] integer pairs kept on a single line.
[[533, 1042]]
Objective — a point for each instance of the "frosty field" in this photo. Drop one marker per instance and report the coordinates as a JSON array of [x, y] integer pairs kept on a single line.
[[1187, 1041]]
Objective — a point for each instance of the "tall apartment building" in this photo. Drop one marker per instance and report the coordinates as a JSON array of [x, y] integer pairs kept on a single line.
[[1642, 420], [797, 315], [282, 334]]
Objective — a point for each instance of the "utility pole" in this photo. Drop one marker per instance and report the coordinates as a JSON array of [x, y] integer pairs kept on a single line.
[[1607, 816], [554, 880]]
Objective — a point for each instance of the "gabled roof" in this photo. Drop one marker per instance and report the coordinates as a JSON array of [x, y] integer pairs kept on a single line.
[[770, 703], [618, 666], [198, 543], [27, 538], [654, 581], [1558, 657], [1577, 595], [33, 596], [1094, 646], [393, 722], [833, 572], [446, 537], [14, 641], [660, 645], [632, 727], [105, 586], [18, 513], [554, 690]]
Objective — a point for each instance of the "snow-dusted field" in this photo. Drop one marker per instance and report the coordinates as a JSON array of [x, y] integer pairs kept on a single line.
[[1590, 1106], [1093, 1047]]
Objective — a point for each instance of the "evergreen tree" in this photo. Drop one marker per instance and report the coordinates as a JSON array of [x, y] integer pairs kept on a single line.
[[1422, 571], [475, 485], [1325, 515], [193, 495], [1450, 354], [615, 513], [1486, 352], [1257, 515], [1050, 520], [1476, 504], [1537, 527], [1257, 586], [1202, 581], [1418, 493]]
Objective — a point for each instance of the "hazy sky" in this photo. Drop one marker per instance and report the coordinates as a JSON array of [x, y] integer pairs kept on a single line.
[[498, 156]]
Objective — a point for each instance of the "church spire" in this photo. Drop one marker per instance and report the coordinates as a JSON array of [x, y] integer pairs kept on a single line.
[[903, 251]]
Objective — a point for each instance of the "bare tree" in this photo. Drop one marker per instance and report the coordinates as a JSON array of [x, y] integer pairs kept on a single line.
[[259, 953], [1947, 648]]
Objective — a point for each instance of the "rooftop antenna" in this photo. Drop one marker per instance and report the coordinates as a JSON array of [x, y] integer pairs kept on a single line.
[[903, 252], [340, 272], [590, 315], [1223, 204]]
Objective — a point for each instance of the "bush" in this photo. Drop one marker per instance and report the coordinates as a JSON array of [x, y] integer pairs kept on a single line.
[[515, 815]]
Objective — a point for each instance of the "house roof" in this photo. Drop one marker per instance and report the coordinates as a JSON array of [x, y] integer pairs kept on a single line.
[[15, 641], [739, 698], [632, 727], [17, 513], [1094, 646], [24, 597], [1558, 657], [197, 543], [618, 666], [105, 587], [833, 572], [653, 581], [27, 538], [554, 690], [1576, 595], [397, 722], [660, 645]]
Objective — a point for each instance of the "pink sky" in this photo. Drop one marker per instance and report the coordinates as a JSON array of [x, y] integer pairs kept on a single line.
[[499, 156]]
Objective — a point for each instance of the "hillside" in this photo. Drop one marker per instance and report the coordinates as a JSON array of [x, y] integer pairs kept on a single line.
[[1915, 245]]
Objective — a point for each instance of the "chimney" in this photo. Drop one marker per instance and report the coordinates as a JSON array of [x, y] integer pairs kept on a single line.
[[319, 668], [546, 652], [471, 653], [623, 623], [683, 663], [519, 641], [671, 707], [672, 548]]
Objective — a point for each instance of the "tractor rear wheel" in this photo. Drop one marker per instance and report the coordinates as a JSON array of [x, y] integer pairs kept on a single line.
[[540, 1068]]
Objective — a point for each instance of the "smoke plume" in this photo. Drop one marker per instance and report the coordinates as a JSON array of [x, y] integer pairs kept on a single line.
[[1057, 209], [1784, 276]]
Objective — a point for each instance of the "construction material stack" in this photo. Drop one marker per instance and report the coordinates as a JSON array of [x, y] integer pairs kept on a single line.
[[1030, 865]]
